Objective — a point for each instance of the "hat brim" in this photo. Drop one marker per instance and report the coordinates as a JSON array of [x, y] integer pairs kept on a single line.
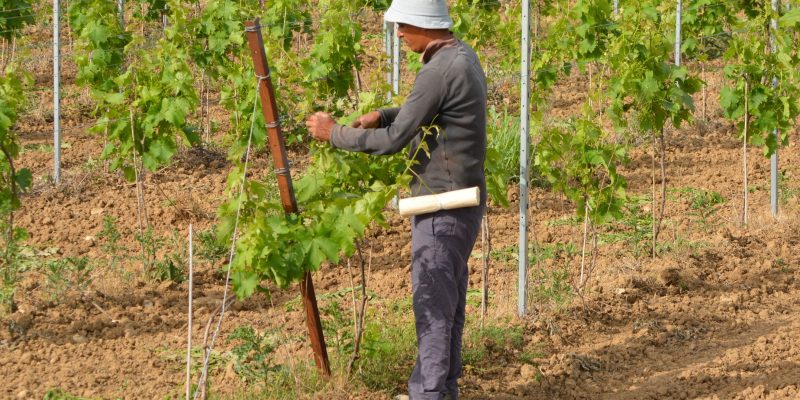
[[392, 15]]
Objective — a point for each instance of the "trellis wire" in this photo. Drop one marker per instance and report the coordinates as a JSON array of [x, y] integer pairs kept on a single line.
[[15, 17], [204, 373], [16, 9]]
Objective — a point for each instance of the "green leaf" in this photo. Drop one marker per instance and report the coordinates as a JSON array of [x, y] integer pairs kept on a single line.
[[649, 85], [129, 172], [244, 283], [158, 154], [114, 98], [729, 100], [322, 249], [23, 178], [191, 134], [791, 18], [98, 34]]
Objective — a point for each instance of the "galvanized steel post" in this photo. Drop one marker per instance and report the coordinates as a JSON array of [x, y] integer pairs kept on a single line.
[[388, 39], [773, 174], [678, 13], [121, 11], [395, 61], [524, 139], [56, 91]]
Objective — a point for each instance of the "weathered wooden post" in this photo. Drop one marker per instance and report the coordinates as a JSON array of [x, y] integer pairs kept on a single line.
[[277, 148]]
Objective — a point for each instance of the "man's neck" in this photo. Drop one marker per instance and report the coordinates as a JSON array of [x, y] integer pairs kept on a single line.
[[435, 45], [438, 34]]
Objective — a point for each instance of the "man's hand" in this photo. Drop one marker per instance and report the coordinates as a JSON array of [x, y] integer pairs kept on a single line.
[[320, 125], [368, 121]]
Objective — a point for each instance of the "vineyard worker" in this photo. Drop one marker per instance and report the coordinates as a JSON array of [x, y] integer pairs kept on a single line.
[[449, 92]]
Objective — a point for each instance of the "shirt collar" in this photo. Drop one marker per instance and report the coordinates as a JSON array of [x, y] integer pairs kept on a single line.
[[434, 46]]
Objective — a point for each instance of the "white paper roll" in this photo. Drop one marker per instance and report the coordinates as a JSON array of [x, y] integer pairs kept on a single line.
[[469, 197]]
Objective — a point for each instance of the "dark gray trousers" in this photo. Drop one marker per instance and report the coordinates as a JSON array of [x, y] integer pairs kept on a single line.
[[441, 243]]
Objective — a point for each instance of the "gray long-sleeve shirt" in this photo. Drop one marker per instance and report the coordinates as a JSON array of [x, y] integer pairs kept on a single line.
[[449, 92]]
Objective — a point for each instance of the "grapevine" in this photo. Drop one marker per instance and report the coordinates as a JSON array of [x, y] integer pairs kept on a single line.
[[14, 16], [761, 93]]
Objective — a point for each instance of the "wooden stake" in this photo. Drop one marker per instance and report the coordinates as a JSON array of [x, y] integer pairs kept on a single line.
[[277, 148], [744, 146]]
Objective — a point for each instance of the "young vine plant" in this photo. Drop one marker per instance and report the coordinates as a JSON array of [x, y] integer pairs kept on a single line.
[[144, 91], [14, 81], [767, 80]]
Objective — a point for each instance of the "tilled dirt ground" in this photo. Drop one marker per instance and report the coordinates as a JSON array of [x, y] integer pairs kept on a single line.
[[715, 316]]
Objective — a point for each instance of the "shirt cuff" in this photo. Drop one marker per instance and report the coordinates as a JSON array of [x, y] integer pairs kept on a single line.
[[335, 132]]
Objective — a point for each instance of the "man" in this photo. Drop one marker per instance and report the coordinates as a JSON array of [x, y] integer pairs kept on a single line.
[[450, 93]]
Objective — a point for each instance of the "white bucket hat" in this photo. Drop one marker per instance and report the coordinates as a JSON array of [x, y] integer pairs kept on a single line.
[[426, 14]]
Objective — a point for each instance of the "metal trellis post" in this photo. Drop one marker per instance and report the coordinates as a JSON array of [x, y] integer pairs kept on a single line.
[[524, 140], [773, 193], [395, 61], [121, 11], [56, 91], [678, 38], [388, 40], [616, 7]]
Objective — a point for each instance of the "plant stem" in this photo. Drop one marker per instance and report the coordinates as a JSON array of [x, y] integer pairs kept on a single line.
[[203, 104], [486, 247], [703, 78], [10, 229], [593, 250], [653, 200], [663, 158], [13, 50], [3, 55], [705, 89], [583, 249], [589, 92], [362, 313], [139, 197], [357, 75], [203, 383], [353, 297]]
